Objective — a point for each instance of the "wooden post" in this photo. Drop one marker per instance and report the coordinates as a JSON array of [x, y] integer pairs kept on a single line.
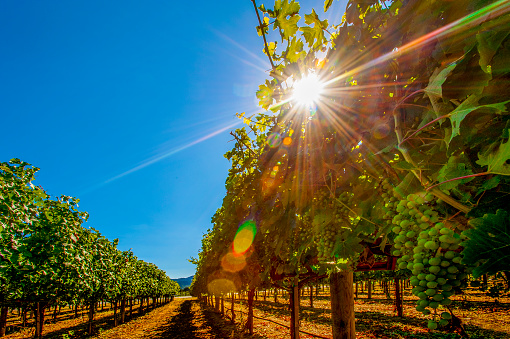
[[311, 296], [3, 320], [91, 316], [294, 309], [398, 298], [275, 295], [123, 310], [369, 296], [222, 305], [217, 303], [232, 309], [342, 305], [115, 321], [249, 321]]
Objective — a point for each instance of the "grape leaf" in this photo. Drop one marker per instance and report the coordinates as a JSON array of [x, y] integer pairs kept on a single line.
[[327, 4], [489, 184], [295, 50], [496, 158], [455, 168], [489, 242], [288, 26], [265, 95], [437, 80], [488, 44], [314, 36], [467, 106]]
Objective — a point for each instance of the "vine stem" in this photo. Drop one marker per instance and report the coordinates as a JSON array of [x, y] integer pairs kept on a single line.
[[428, 124], [263, 34], [424, 182], [241, 142], [459, 178]]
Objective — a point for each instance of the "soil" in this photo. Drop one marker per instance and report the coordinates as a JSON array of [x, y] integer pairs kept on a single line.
[[187, 318]]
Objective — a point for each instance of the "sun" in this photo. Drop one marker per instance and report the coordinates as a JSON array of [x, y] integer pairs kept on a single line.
[[308, 90]]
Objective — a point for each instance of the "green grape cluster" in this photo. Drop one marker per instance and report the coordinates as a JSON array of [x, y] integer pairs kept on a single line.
[[390, 201], [428, 248], [303, 231], [341, 203], [327, 236], [325, 242]]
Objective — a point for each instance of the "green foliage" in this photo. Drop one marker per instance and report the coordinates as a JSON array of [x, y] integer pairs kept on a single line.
[[488, 243], [47, 255], [413, 106]]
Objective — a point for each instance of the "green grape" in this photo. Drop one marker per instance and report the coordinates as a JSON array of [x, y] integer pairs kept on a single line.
[[423, 303], [396, 229], [422, 295], [446, 301], [421, 276], [445, 263], [445, 231], [431, 245], [396, 253], [435, 261], [446, 315], [430, 277], [423, 283], [432, 325], [418, 249], [452, 269], [434, 304], [444, 245], [444, 238], [438, 297], [419, 266], [405, 223], [428, 197], [434, 269], [443, 322], [449, 255], [441, 281], [430, 292], [426, 312], [432, 284]]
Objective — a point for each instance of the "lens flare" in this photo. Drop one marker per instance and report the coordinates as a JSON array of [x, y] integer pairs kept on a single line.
[[274, 140], [221, 286], [244, 237], [308, 90], [232, 262]]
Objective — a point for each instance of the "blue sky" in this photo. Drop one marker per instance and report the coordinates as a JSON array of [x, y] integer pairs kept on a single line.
[[128, 105]]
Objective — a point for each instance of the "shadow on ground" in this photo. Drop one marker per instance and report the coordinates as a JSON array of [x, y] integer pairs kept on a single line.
[[196, 321]]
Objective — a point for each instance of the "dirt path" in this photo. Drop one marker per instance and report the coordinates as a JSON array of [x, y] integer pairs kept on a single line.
[[180, 319]]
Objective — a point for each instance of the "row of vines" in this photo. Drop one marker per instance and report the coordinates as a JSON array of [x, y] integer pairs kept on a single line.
[[48, 258], [405, 156]]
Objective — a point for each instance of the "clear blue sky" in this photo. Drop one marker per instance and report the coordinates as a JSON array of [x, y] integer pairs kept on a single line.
[[127, 105]]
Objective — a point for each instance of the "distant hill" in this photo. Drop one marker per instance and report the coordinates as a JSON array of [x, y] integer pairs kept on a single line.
[[184, 282]]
